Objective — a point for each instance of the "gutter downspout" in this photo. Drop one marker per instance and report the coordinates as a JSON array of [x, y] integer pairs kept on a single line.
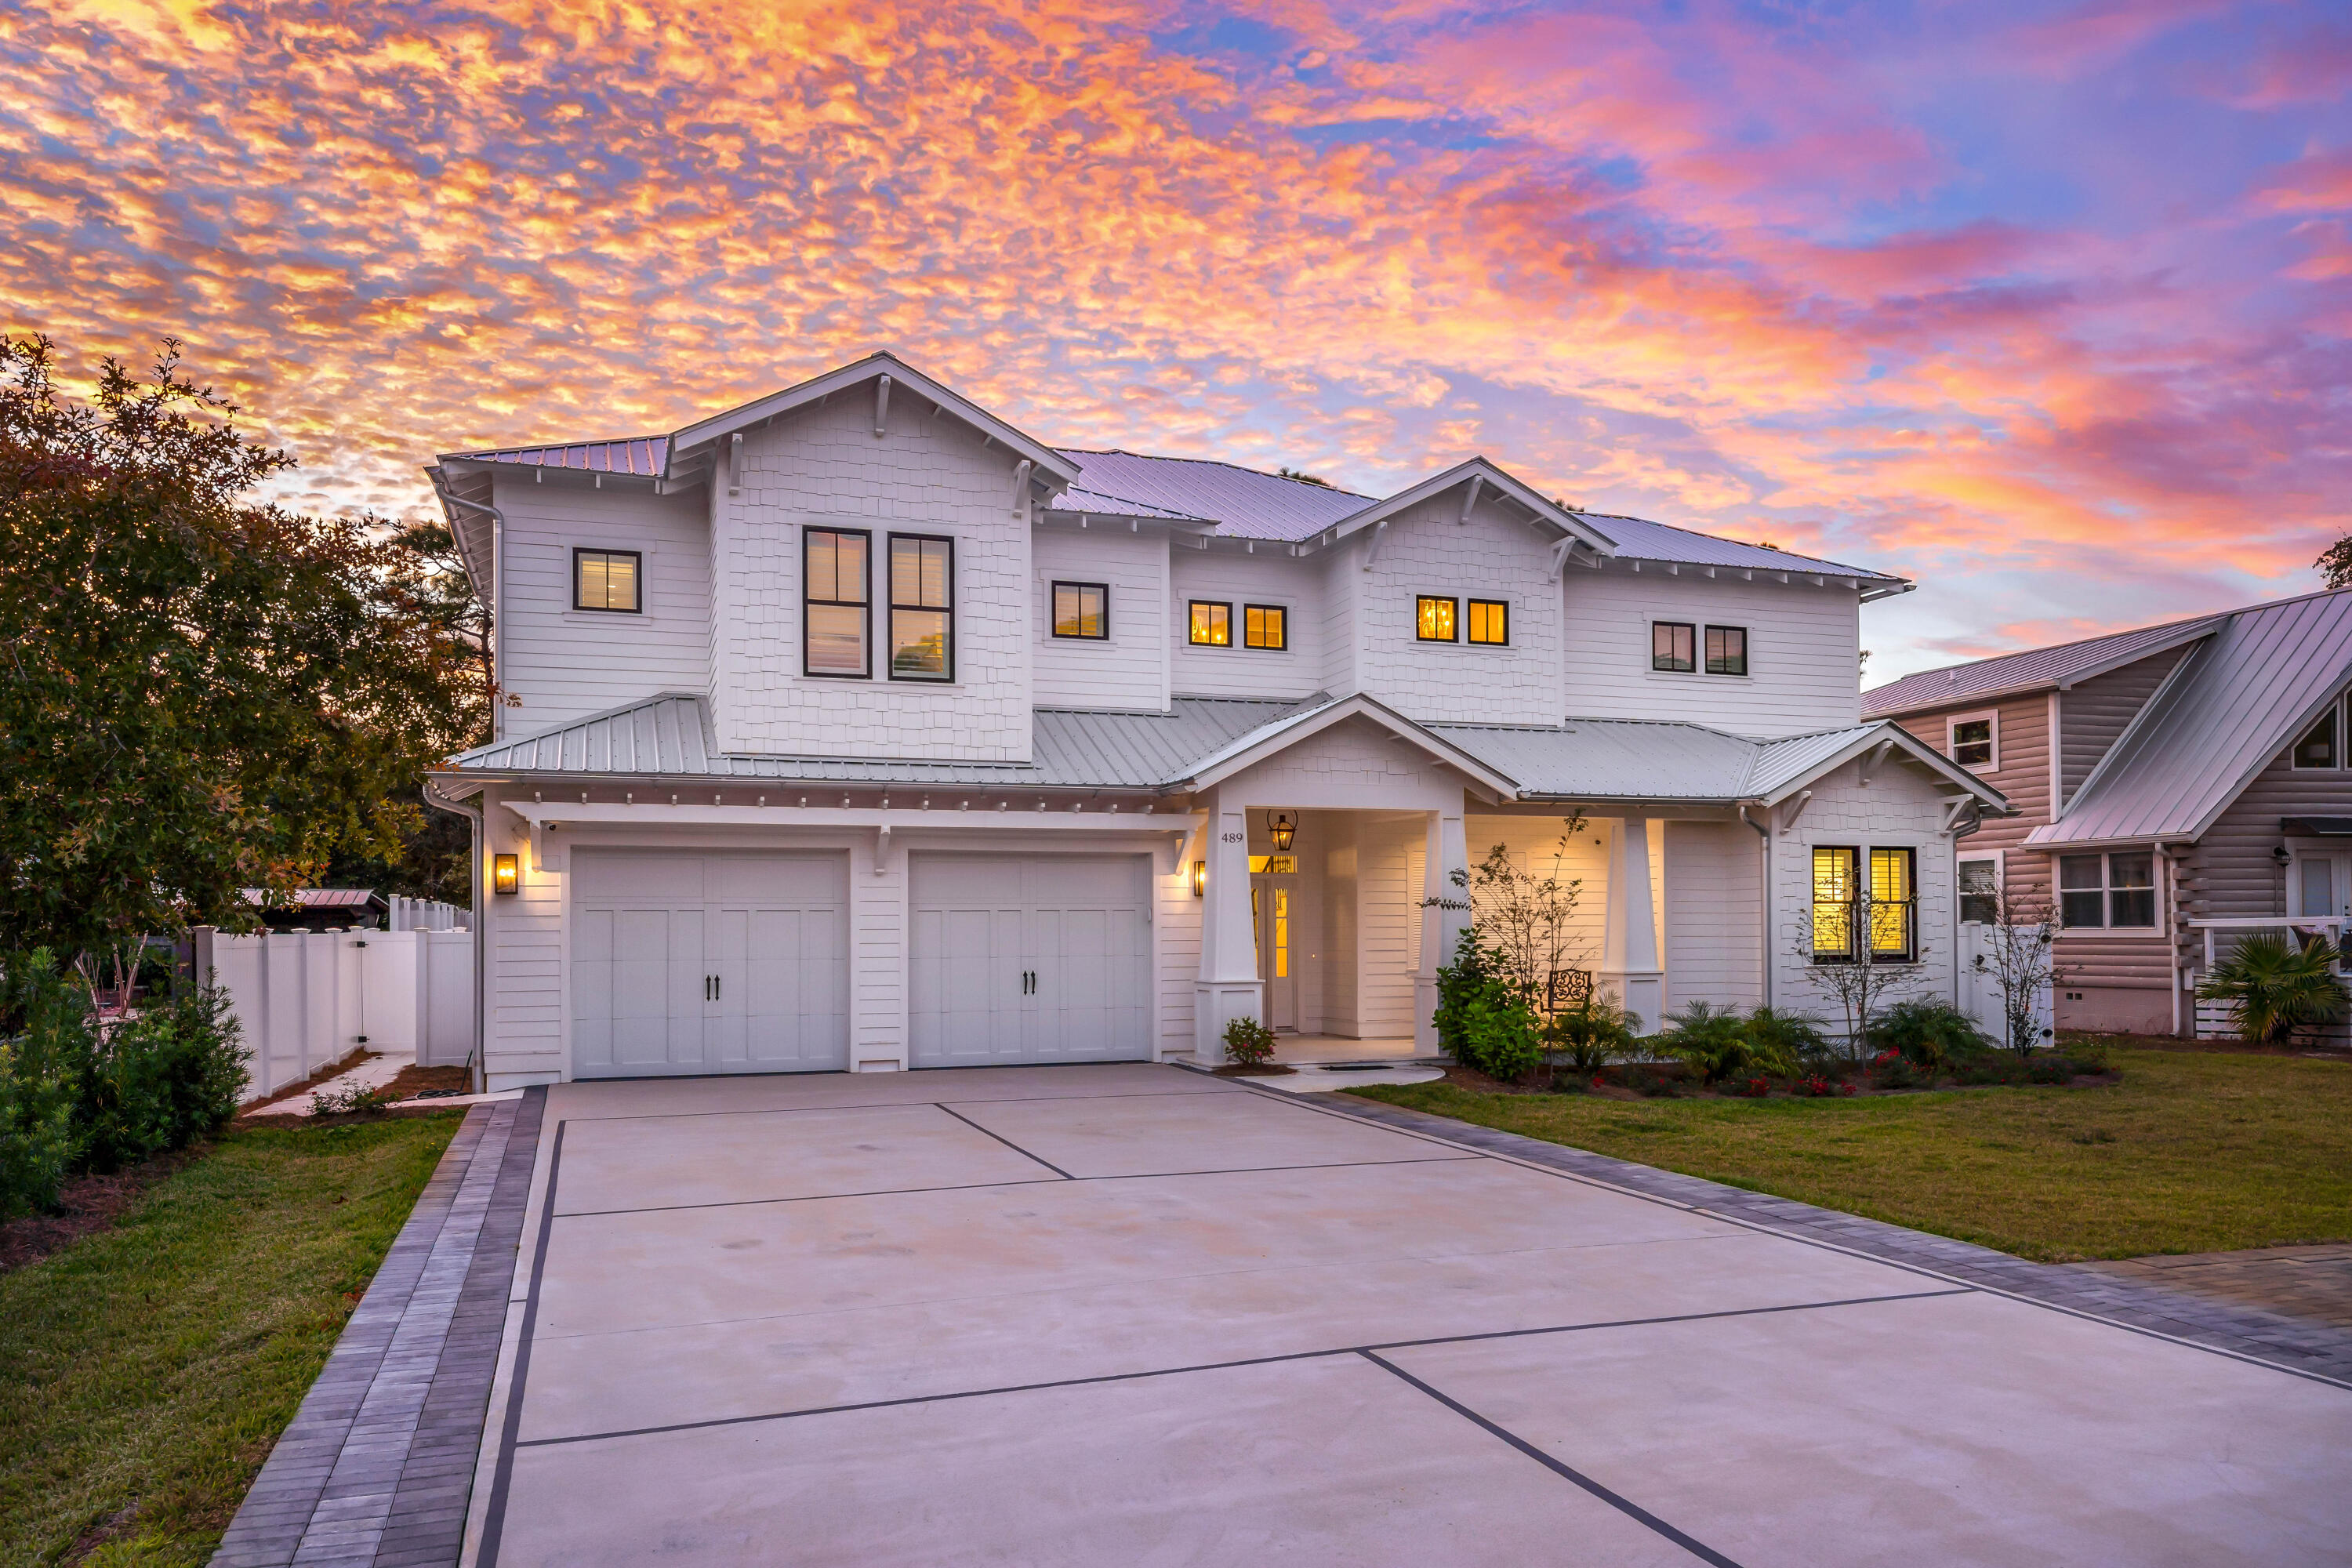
[[477, 918], [1765, 834]]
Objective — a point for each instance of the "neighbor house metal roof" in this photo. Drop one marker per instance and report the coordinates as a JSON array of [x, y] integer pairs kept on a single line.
[[2033, 670], [2237, 701]]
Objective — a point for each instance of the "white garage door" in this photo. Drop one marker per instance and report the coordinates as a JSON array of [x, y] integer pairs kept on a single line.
[[687, 963], [1045, 959]]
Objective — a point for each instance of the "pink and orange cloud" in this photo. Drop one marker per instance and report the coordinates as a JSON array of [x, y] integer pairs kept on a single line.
[[2050, 306]]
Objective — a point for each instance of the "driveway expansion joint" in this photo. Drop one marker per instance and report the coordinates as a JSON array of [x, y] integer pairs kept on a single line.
[[2296, 1346]]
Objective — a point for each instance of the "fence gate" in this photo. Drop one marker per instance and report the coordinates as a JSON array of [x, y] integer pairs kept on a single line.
[[304, 999], [1981, 996]]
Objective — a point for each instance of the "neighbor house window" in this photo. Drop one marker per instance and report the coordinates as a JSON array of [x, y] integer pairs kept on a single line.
[[606, 580], [2319, 745], [1490, 621], [1726, 650], [1213, 624], [1980, 891], [1433, 620], [838, 575], [1673, 646], [1266, 626], [922, 608], [2113, 889], [1082, 610], [1973, 741], [1847, 910]]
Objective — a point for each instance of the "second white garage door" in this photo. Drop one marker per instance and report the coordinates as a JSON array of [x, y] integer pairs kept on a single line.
[[1044, 959], [719, 963]]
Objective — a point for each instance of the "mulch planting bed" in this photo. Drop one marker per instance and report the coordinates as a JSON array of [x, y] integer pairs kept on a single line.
[[88, 1203]]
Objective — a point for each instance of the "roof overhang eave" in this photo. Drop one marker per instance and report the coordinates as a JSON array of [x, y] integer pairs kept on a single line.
[[1567, 523]]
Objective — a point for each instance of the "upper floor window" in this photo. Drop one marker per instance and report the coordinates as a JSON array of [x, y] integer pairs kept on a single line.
[[1848, 911], [1673, 645], [2114, 889], [1211, 625], [1266, 626], [606, 580], [922, 608], [1726, 650], [2320, 746], [836, 578], [1973, 740], [1490, 621], [1082, 610], [1433, 620]]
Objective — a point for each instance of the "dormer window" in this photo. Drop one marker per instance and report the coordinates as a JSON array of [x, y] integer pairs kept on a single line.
[[606, 580], [836, 574], [1211, 625], [922, 608]]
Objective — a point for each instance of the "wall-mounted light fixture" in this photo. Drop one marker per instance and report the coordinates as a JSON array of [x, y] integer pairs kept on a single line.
[[1199, 878], [1280, 829], [506, 873], [2282, 856]]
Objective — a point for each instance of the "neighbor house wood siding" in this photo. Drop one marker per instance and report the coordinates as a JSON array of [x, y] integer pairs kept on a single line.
[[2231, 868], [2021, 732], [2094, 715]]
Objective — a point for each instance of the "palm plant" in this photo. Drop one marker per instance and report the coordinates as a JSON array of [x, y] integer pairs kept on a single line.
[[2275, 986], [1717, 1042], [1590, 1035], [1791, 1036]]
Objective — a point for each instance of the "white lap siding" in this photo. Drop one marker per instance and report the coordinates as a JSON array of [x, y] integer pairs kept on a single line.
[[1129, 669], [1223, 577], [1429, 550], [1714, 914]]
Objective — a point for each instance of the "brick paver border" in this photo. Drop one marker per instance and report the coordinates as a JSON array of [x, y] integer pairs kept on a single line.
[[375, 1467], [2302, 1346]]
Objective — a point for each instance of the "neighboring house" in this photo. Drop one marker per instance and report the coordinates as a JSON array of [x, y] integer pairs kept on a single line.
[[2188, 772], [319, 908], [854, 728]]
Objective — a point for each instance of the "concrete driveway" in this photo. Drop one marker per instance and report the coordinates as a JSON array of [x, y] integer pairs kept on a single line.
[[1136, 1315]]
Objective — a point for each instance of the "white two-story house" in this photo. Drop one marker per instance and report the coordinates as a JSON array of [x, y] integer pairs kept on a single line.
[[855, 728]]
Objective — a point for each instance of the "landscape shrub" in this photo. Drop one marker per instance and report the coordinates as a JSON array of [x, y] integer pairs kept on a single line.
[[1482, 1021], [1718, 1043], [1890, 1069], [75, 1095], [2089, 1056], [1789, 1036], [1589, 1035], [2049, 1069], [2275, 986], [1928, 1033], [353, 1100], [1248, 1043]]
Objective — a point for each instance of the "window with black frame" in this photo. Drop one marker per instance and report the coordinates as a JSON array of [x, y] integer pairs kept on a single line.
[[1726, 650], [1894, 905], [922, 608], [1082, 610], [1674, 646], [1266, 626], [1847, 910], [836, 580], [606, 580], [1836, 884]]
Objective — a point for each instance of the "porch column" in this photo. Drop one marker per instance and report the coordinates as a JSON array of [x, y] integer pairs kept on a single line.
[[1445, 915], [1228, 986], [1630, 970]]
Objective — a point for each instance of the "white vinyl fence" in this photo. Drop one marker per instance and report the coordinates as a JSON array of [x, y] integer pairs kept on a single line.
[[423, 914], [304, 999]]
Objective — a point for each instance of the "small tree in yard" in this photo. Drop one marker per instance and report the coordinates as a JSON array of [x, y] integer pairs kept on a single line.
[[1525, 917], [2020, 957], [1853, 976]]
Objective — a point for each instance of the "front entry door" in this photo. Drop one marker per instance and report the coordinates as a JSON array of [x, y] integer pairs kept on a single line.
[[1273, 910]]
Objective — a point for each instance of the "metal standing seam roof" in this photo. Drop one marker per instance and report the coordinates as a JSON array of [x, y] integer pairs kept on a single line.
[[638, 454], [2031, 670], [2234, 704]]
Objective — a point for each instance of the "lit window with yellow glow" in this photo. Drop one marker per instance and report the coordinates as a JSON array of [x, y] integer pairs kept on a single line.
[[1212, 626], [1266, 626], [1433, 620], [1490, 622], [606, 580]]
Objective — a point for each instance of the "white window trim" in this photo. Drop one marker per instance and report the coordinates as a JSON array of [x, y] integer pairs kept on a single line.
[[1952, 722], [2000, 878], [2107, 889], [1697, 672], [2336, 711], [646, 550]]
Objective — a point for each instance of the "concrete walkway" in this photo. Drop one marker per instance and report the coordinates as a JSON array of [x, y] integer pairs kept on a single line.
[[1132, 1314]]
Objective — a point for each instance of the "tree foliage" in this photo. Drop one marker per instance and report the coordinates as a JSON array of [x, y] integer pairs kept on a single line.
[[202, 693]]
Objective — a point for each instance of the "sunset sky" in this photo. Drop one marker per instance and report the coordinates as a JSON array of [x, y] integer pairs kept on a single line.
[[2047, 306]]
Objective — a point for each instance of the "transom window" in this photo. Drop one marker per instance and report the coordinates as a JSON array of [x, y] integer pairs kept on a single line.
[[1726, 650], [1211, 625], [1673, 646], [1884, 910], [2113, 889], [1266, 626], [922, 608], [1490, 621], [1973, 740], [837, 571], [606, 580], [1082, 610], [1433, 620], [2321, 747]]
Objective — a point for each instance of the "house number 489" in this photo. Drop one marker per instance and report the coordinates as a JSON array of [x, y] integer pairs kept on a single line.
[[1235, 838]]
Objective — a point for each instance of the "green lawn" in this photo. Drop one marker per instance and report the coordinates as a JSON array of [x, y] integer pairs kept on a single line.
[[144, 1371], [2192, 1152]]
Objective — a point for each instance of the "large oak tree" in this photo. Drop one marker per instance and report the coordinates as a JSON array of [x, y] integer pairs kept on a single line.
[[199, 692]]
